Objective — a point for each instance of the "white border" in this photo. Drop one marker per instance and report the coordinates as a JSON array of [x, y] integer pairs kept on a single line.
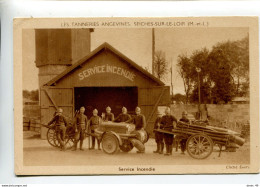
[[12, 9]]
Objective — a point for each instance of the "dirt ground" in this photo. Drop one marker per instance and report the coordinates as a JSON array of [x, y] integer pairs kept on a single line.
[[38, 152]]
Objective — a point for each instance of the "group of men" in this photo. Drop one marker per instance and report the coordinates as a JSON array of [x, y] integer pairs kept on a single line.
[[82, 124], [167, 123]]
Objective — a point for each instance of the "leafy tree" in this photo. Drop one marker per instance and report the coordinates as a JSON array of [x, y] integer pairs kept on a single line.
[[185, 70], [224, 72]]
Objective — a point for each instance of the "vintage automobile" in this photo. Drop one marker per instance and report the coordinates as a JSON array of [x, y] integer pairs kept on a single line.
[[120, 136], [114, 137]]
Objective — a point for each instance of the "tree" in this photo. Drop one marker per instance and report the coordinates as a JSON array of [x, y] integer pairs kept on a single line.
[[160, 65], [236, 55], [224, 72]]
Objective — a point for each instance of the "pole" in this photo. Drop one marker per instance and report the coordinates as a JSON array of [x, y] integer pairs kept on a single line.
[[153, 50], [171, 79], [199, 93]]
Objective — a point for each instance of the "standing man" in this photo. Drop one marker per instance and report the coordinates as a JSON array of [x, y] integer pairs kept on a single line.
[[108, 115], [60, 127], [94, 121], [158, 135], [138, 120], [80, 127], [183, 141], [123, 117], [169, 122]]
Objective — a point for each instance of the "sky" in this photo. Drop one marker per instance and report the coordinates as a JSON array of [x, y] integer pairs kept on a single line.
[[136, 44]]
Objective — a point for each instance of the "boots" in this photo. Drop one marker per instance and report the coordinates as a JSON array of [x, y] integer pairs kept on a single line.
[[161, 148], [170, 149], [81, 143], [93, 143], [158, 148], [99, 146], [167, 150], [75, 146]]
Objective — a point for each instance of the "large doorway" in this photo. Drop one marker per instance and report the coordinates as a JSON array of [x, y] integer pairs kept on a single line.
[[101, 97]]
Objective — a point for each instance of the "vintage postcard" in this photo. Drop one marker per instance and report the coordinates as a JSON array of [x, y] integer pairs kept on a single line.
[[97, 96]]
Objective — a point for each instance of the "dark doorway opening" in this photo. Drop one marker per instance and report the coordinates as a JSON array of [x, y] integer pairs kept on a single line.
[[101, 97]]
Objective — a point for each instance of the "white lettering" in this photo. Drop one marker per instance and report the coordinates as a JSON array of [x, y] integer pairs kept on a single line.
[[106, 69]]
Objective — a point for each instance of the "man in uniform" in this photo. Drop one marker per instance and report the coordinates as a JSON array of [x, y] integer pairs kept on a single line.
[[158, 135], [139, 121], [108, 115], [94, 121], [60, 127], [183, 141], [168, 122], [81, 122], [123, 117]]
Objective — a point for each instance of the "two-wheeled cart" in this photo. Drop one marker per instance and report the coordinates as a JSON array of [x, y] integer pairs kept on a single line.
[[200, 139]]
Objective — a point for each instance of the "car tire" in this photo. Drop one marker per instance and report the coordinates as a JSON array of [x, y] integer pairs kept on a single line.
[[126, 146], [110, 144], [138, 144]]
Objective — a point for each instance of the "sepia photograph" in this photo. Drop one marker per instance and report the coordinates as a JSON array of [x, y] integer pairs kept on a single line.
[[136, 96]]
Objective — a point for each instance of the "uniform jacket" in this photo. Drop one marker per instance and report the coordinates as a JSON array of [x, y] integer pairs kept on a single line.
[[157, 122], [123, 118], [109, 117], [139, 121], [81, 121], [167, 121], [94, 121], [58, 120]]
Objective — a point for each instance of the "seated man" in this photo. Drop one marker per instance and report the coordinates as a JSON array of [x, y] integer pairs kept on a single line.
[[123, 117], [109, 116], [60, 127], [139, 121]]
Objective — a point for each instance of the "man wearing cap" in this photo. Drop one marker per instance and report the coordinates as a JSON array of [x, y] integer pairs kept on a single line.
[[123, 117], [158, 135], [94, 121], [81, 122], [60, 127], [168, 123], [183, 141], [140, 123], [138, 120], [109, 116]]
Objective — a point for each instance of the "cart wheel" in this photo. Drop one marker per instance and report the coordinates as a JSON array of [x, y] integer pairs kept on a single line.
[[199, 146], [70, 136], [126, 146], [69, 142], [110, 143], [52, 138]]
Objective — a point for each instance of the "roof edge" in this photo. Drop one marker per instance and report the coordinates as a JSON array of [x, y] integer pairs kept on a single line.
[[105, 46]]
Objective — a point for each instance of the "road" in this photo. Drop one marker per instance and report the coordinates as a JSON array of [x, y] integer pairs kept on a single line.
[[38, 152]]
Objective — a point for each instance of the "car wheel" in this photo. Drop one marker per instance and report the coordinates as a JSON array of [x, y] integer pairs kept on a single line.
[[110, 143], [126, 146], [138, 144]]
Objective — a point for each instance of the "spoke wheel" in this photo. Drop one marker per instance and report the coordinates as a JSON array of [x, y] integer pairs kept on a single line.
[[199, 146], [52, 138], [126, 146], [110, 143], [70, 137]]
